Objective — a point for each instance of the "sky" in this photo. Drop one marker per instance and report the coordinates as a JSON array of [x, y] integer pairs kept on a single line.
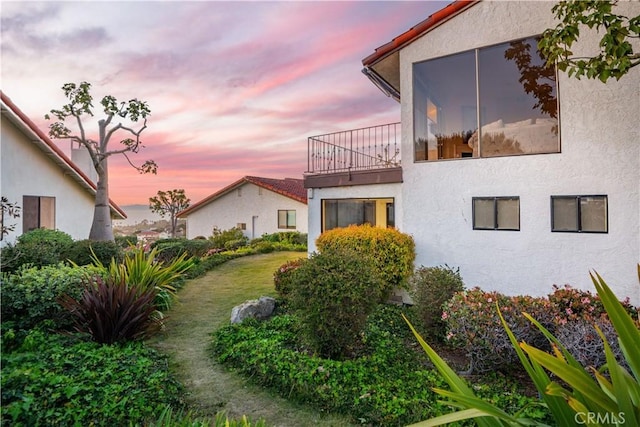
[[234, 88]]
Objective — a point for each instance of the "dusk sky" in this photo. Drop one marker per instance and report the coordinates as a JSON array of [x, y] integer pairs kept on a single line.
[[234, 88]]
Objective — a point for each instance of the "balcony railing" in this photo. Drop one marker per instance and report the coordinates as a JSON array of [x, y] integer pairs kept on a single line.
[[375, 147]]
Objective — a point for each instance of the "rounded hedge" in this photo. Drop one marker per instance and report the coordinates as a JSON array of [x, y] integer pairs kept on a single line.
[[393, 252]]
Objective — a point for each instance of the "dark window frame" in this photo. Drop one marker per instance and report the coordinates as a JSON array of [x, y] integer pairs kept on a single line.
[[579, 212], [495, 212]]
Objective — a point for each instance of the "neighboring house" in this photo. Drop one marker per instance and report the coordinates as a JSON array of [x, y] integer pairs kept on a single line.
[[520, 189], [256, 205], [50, 189]]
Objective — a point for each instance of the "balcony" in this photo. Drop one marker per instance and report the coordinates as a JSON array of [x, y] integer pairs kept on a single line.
[[355, 157]]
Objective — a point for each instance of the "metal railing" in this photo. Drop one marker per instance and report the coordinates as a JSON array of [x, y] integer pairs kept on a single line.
[[375, 147]]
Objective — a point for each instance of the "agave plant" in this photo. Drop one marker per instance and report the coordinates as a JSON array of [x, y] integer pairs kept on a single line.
[[585, 396]]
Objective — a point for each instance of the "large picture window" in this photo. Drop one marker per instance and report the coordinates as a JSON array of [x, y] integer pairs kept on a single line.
[[38, 212], [496, 213], [493, 101], [579, 214], [345, 212]]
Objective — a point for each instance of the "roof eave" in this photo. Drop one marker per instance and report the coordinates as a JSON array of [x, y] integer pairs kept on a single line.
[[36, 136]]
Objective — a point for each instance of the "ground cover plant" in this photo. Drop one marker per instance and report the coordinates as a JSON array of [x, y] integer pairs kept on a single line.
[[54, 379], [384, 385]]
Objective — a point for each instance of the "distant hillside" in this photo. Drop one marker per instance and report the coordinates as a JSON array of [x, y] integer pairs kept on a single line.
[[136, 214]]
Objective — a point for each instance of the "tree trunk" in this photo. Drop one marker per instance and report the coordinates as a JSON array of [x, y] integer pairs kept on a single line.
[[101, 229]]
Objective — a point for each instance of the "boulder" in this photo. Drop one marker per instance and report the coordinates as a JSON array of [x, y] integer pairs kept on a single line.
[[256, 308]]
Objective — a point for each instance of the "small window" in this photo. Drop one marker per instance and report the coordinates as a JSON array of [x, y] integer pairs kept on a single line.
[[496, 213], [38, 212], [241, 225], [579, 214], [286, 219]]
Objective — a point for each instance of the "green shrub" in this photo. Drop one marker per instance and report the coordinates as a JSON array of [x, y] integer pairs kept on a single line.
[[171, 249], [232, 245], [126, 242], [332, 294], [392, 251], [57, 380], [29, 295], [82, 252], [221, 237], [113, 311], [286, 237], [430, 287], [37, 247], [283, 277], [388, 385]]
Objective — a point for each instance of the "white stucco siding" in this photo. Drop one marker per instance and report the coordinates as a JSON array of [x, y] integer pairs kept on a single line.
[[600, 144], [27, 171], [374, 191], [256, 207]]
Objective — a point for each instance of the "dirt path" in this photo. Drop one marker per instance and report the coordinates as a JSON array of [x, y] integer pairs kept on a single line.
[[205, 304]]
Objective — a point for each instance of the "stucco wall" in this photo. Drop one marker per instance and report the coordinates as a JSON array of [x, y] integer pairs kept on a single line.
[[600, 144], [26, 170], [375, 191], [230, 209]]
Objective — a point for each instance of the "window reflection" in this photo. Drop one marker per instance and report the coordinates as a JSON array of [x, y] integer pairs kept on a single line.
[[517, 104]]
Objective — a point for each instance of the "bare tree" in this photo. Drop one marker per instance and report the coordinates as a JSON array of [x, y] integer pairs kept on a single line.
[[79, 106]]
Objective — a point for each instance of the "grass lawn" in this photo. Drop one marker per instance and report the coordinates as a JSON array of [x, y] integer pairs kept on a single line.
[[204, 305]]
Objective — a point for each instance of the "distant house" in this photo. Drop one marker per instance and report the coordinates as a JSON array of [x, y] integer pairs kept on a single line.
[[256, 205], [518, 174], [51, 190]]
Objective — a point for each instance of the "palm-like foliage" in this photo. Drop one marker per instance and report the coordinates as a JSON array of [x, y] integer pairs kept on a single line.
[[142, 271], [111, 311], [606, 396]]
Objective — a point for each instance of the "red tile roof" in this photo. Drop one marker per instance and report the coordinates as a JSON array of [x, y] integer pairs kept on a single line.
[[288, 187], [21, 120], [414, 32]]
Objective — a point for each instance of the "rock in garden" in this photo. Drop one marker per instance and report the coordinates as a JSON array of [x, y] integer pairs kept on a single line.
[[256, 308]]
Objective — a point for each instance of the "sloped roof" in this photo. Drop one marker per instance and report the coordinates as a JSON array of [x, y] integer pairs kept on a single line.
[[12, 113], [383, 65], [292, 188]]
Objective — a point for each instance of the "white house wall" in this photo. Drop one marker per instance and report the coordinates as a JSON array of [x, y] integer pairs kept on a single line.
[[600, 144], [374, 191], [27, 171], [255, 206]]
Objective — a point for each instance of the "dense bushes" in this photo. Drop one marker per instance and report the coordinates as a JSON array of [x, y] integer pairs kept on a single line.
[[283, 277], [386, 385], [37, 248], [332, 295], [221, 238], [58, 380], [473, 324], [393, 252], [83, 252], [29, 295], [430, 288], [169, 249]]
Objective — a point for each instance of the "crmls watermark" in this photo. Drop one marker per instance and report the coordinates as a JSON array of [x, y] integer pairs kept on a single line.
[[588, 418]]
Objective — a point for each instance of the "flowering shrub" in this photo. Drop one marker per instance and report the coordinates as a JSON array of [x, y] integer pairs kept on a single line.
[[472, 323], [282, 276]]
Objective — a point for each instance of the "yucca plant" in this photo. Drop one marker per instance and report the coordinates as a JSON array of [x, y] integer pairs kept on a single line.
[[587, 396], [188, 419], [143, 271], [112, 311]]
